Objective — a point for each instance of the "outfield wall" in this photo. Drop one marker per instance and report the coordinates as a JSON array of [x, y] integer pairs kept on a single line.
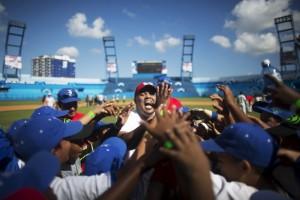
[[26, 89]]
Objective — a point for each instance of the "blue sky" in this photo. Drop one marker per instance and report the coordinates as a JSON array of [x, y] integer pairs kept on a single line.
[[232, 37]]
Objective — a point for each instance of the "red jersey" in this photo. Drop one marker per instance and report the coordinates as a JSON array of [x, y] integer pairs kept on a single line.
[[173, 102], [77, 116]]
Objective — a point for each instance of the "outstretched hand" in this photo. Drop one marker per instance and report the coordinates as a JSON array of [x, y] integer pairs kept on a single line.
[[281, 94], [165, 120], [163, 93], [228, 94], [186, 146], [124, 114], [191, 163]]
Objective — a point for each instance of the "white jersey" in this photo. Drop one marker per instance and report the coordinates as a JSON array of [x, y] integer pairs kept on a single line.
[[133, 121], [81, 187], [224, 190], [241, 99]]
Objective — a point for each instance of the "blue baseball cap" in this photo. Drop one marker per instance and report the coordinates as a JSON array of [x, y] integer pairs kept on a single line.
[[267, 194], [6, 149], [107, 157], [245, 141], [42, 133], [38, 173], [67, 95], [48, 111], [184, 109], [14, 127], [7, 154], [266, 107]]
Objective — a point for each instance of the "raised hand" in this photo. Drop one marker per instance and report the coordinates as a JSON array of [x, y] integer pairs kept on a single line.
[[165, 120], [124, 114], [216, 97], [228, 94], [186, 146], [191, 162], [106, 109], [231, 108], [217, 103], [163, 93], [281, 94]]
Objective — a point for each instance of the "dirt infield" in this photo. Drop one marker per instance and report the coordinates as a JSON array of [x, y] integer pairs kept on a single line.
[[18, 107], [34, 106]]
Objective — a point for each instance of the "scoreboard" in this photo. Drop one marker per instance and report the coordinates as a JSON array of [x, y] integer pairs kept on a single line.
[[149, 67]]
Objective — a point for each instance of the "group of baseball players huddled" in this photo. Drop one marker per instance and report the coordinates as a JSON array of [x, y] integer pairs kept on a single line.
[[155, 148]]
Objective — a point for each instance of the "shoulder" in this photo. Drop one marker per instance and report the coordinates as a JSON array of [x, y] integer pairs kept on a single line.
[[224, 189], [81, 187], [132, 122]]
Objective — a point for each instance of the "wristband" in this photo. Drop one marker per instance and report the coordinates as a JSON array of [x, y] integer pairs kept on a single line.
[[66, 120], [168, 144], [294, 119], [214, 116], [91, 114]]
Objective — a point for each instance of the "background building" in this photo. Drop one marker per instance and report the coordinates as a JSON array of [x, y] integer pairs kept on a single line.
[[53, 66]]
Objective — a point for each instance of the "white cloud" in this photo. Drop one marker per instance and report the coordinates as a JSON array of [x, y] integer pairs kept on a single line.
[[128, 13], [2, 8], [253, 21], [78, 27], [221, 40], [256, 43], [70, 51], [142, 41], [96, 51], [166, 42], [257, 15]]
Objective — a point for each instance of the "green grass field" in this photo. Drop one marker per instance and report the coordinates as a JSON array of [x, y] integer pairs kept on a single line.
[[7, 117]]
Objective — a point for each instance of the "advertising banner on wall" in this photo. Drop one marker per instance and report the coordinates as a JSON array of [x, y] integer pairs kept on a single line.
[[111, 67], [13, 61], [187, 67]]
